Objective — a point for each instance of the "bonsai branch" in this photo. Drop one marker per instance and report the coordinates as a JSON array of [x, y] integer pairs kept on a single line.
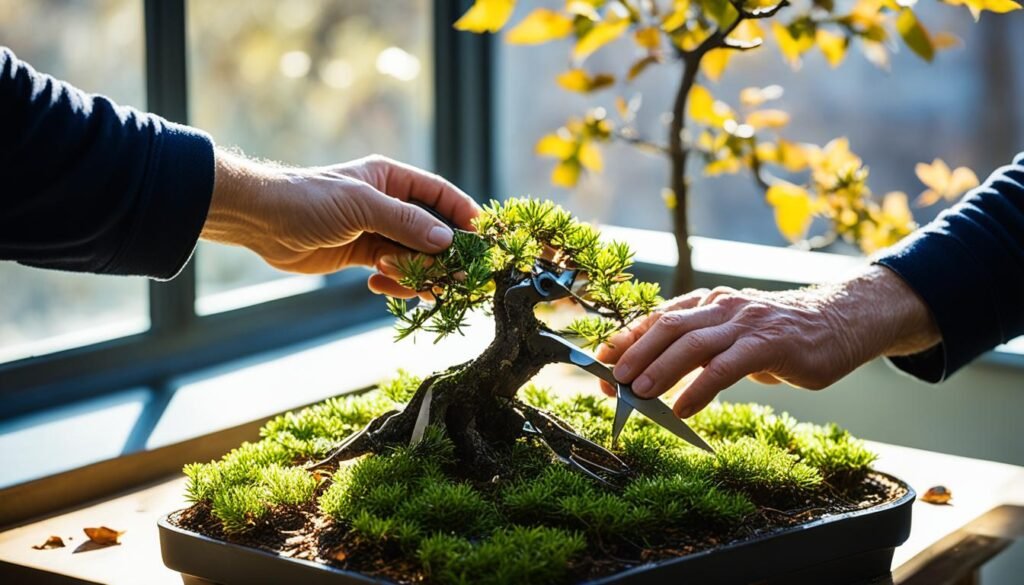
[[476, 405]]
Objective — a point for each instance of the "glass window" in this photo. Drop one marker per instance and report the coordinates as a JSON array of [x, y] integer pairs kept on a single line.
[[98, 46], [965, 107], [305, 82]]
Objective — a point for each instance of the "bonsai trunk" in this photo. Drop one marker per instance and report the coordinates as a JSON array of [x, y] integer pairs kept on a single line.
[[475, 402], [678, 153]]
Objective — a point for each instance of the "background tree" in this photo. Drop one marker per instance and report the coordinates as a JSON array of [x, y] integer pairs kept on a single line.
[[800, 181]]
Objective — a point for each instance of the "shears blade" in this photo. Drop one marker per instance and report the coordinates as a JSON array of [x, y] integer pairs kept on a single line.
[[657, 411]]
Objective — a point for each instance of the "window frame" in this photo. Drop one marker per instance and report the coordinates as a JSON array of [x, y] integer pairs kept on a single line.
[[179, 340]]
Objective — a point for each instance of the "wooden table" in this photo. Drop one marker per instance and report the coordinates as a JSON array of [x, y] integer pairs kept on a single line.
[[947, 543]]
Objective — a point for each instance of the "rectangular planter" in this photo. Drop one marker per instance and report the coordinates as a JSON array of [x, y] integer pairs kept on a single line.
[[843, 549]]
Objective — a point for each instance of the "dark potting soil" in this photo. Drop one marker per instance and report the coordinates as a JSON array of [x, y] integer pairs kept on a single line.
[[303, 533]]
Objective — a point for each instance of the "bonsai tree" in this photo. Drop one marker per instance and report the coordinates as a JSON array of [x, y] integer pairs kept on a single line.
[[463, 478], [699, 38], [475, 403]]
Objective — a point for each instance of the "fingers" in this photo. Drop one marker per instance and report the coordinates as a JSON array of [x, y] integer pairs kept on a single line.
[[686, 354], [384, 285], [764, 378], [406, 182], [665, 330], [724, 370], [610, 352], [607, 389], [389, 266], [370, 249], [402, 222]]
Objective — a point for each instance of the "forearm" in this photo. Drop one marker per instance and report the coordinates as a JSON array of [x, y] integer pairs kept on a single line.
[[239, 194], [881, 315]]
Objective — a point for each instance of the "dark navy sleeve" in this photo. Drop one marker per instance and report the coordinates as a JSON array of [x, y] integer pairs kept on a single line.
[[90, 186], [968, 267]]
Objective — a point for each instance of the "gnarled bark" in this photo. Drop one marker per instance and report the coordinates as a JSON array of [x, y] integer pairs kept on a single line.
[[476, 403]]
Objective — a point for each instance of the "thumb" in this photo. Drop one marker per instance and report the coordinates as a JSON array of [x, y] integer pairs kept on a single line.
[[406, 224]]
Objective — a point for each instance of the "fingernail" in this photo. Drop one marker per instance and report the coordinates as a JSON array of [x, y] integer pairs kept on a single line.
[[685, 411], [642, 384], [621, 371], [440, 236]]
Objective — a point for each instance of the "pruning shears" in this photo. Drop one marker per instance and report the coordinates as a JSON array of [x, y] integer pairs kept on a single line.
[[544, 285]]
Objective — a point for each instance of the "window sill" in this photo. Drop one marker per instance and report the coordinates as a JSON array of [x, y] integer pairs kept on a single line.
[[141, 434]]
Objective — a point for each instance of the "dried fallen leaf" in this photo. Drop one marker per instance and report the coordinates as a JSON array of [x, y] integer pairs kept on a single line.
[[938, 495], [104, 536], [52, 542]]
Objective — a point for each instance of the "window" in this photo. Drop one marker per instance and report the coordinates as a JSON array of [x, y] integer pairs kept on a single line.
[[302, 82], [305, 83], [100, 49], [964, 108]]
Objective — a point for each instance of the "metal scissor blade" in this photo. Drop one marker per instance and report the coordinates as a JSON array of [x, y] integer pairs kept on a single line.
[[622, 411], [660, 413]]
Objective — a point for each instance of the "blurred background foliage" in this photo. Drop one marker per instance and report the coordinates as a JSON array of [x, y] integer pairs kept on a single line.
[[698, 42], [963, 107]]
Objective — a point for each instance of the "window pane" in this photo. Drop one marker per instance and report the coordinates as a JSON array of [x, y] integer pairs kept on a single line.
[[305, 82], [965, 107], [97, 46]]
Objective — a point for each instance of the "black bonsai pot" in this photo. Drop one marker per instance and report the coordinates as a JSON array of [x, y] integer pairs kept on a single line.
[[848, 548]]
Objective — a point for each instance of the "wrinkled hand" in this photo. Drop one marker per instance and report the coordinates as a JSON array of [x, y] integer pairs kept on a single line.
[[320, 220], [808, 338]]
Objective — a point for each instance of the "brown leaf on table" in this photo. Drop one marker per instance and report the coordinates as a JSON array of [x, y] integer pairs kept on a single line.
[[104, 536], [52, 542], [939, 495]]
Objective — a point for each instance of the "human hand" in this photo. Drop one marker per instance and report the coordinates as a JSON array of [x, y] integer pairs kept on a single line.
[[320, 220], [808, 338]]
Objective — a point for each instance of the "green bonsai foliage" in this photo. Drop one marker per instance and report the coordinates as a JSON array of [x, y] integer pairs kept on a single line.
[[511, 237], [417, 505]]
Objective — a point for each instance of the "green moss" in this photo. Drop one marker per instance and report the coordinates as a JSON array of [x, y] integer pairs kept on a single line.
[[238, 507], [538, 499], [511, 555], [383, 532], [372, 482], [526, 526], [538, 396], [401, 388], [834, 452], [651, 450], [729, 422], [311, 432], [778, 430], [590, 415], [676, 499], [757, 468], [528, 458], [438, 505], [290, 486], [606, 516]]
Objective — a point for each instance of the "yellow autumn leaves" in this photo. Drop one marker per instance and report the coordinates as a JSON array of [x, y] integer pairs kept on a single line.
[[574, 145], [837, 191], [827, 182], [835, 186]]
